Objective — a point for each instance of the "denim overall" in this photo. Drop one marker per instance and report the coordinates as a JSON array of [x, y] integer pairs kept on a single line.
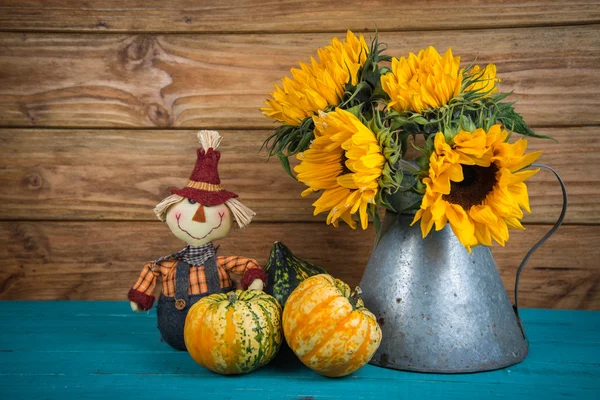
[[171, 311]]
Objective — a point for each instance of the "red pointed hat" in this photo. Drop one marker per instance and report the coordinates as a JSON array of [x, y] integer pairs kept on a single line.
[[204, 185]]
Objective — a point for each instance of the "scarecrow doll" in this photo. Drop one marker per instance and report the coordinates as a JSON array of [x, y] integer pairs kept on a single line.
[[199, 213]]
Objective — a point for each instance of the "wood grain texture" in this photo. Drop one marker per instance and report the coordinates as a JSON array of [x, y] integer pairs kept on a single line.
[[122, 175], [221, 81], [101, 260], [77, 198], [288, 15]]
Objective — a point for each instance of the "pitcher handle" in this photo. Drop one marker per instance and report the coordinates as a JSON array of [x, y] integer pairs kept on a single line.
[[541, 241]]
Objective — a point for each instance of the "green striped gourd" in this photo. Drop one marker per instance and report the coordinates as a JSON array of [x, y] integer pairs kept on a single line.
[[234, 333], [285, 272]]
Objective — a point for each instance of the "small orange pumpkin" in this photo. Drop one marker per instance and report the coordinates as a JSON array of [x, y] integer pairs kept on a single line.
[[328, 327]]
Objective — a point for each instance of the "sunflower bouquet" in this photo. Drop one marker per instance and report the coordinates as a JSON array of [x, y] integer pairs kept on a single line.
[[416, 134]]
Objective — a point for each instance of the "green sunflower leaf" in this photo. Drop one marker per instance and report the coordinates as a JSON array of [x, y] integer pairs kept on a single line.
[[419, 120], [376, 219], [285, 163], [513, 121], [423, 163], [467, 124]]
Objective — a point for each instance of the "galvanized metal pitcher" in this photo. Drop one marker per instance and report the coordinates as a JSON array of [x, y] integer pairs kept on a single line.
[[440, 308]]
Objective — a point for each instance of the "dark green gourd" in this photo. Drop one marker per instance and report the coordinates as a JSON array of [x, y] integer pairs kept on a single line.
[[285, 272]]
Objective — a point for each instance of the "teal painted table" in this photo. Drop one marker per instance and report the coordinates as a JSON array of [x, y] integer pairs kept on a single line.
[[103, 350]]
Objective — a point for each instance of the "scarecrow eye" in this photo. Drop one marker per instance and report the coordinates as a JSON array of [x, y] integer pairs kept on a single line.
[[192, 201]]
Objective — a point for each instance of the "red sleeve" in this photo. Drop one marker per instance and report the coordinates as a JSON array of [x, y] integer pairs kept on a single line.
[[142, 299], [141, 293], [251, 274]]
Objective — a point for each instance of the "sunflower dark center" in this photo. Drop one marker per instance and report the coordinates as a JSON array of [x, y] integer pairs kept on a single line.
[[478, 182]]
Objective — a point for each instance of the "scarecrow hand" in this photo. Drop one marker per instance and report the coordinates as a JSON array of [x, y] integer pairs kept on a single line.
[[135, 306], [254, 279], [256, 285]]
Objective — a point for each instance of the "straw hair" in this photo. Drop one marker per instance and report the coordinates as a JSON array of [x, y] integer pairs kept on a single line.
[[209, 139], [161, 208], [243, 215]]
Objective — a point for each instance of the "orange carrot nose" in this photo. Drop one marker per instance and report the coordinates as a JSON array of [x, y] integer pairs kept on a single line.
[[199, 216]]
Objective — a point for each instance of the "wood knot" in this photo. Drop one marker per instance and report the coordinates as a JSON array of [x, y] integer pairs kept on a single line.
[[158, 114], [32, 240], [34, 181], [138, 49], [188, 20], [10, 281]]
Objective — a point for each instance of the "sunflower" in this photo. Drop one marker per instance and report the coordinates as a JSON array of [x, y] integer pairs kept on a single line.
[[321, 84], [476, 183], [484, 80], [423, 81], [428, 81], [345, 161]]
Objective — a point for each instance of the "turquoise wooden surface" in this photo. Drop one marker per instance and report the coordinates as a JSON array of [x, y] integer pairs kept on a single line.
[[102, 349]]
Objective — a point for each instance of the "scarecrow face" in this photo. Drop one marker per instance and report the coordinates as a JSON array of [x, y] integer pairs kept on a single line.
[[196, 224]]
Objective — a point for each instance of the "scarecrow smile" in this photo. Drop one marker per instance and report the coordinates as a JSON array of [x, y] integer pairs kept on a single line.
[[221, 215]]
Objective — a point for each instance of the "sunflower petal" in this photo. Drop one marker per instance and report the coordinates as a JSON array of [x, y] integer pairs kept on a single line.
[[525, 161]]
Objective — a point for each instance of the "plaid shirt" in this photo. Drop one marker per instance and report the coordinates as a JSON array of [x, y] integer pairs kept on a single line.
[[231, 270]]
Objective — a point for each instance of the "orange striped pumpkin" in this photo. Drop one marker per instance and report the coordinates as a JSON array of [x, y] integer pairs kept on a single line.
[[328, 327], [234, 333]]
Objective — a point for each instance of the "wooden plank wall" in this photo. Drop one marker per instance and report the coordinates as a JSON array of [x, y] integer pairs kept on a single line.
[[100, 101]]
